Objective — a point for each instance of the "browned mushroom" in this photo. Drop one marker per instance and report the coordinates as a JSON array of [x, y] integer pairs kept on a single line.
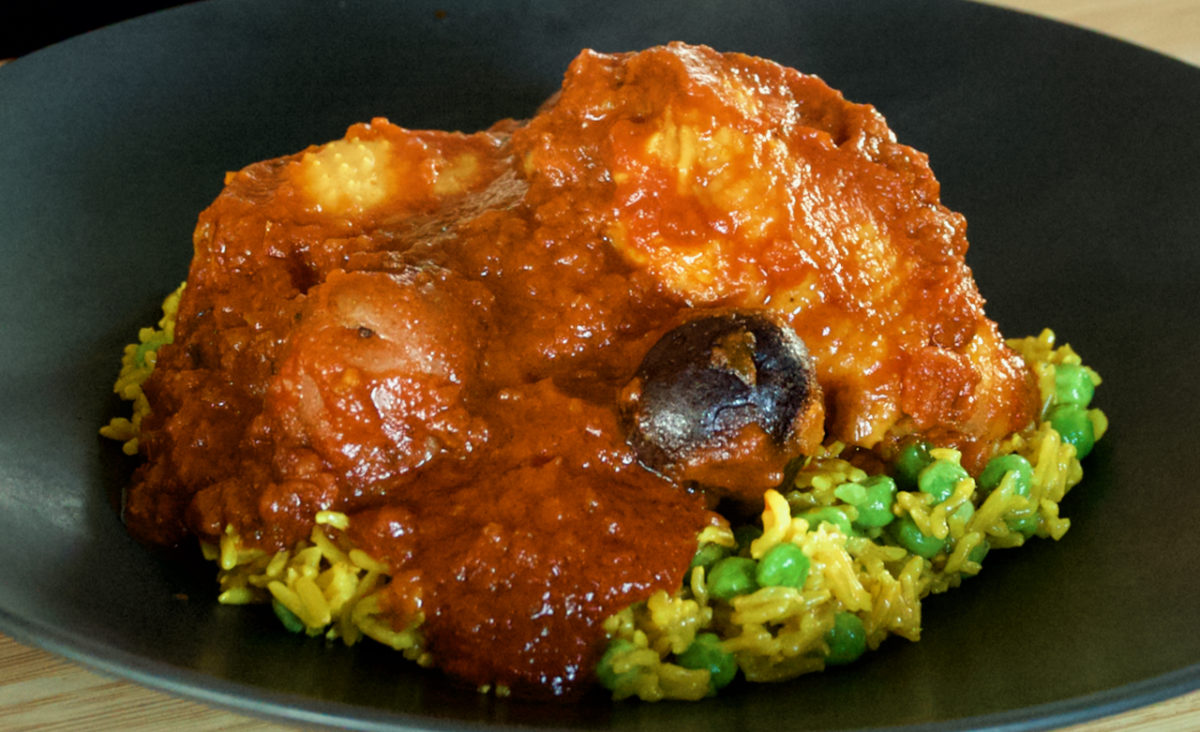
[[724, 401]]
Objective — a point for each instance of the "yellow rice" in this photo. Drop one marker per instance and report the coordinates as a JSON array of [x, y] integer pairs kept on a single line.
[[327, 587]]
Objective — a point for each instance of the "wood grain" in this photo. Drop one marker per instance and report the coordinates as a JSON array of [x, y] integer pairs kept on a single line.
[[1171, 27], [39, 691]]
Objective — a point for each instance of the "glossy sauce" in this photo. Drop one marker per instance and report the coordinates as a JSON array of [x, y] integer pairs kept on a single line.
[[429, 331]]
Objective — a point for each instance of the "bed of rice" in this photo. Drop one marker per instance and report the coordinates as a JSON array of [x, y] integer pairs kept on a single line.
[[325, 586]]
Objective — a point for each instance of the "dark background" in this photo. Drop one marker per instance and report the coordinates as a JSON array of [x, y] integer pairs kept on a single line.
[[27, 26]]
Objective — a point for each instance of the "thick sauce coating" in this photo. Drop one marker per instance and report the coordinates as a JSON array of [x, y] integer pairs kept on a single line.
[[429, 331]]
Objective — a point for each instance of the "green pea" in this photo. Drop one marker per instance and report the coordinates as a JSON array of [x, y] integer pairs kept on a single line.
[[604, 668], [963, 513], [708, 555], [1072, 423], [939, 478], [910, 462], [847, 639], [784, 566], [289, 619], [829, 515], [745, 535], [907, 535], [1026, 525], [876, 509], [732, 576], [979, 552], [706, 652], [993, 474], [1072, 385]]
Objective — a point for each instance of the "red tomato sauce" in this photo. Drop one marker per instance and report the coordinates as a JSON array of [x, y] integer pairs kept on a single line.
[[428, 331]]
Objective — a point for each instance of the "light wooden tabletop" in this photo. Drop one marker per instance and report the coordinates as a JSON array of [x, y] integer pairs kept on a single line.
[[41, 691]]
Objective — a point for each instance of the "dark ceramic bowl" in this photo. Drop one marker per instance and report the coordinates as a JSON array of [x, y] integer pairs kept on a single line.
[[1073, 156]]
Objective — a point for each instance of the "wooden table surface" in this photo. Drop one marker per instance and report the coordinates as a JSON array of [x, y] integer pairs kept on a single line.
[[41, 691]]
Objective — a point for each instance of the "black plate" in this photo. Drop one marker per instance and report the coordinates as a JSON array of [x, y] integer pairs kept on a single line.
[[1074, 157]]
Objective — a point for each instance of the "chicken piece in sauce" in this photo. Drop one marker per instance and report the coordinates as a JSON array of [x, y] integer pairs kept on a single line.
[[432, 333]]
